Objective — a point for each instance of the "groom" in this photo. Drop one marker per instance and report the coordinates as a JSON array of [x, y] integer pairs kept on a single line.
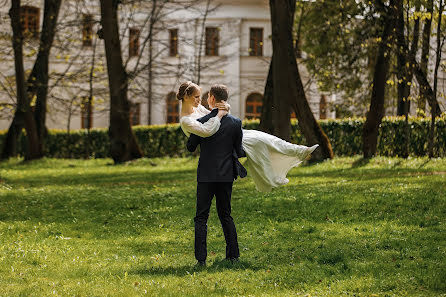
[[218, 166]]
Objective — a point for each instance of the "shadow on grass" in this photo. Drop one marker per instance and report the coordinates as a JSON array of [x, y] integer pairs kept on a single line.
[[424, 163], [365, 174], [104, 179], [361, 162], [216, 266]]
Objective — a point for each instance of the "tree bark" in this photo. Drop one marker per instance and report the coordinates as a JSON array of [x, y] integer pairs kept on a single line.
[[38, 80], [376, 111], [23, 116], [150, 66], [437, 66], [426, 90], [405, 69], [288, 89], [266, 120], [90, 99], [123, 145], [425, 54], [425, 87], [282, 16]]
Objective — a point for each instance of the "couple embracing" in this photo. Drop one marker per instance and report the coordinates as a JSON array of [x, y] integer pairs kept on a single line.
[[222, 141]]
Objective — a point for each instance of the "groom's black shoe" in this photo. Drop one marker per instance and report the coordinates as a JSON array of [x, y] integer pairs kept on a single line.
[[201, 263]]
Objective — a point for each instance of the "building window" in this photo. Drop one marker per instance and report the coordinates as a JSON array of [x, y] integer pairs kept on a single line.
[[204, 99], [256, 41], [173, 105], [86, 114], [134, 42], [29, 18], [87, 30], [253, 108], [211, 41], [135, 114], [173, 42], [323, 108]]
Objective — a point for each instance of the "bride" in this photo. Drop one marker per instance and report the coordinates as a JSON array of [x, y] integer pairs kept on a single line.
[[269, 158]]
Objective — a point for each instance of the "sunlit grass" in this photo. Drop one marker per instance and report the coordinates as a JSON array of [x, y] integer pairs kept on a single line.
[[341, 227]]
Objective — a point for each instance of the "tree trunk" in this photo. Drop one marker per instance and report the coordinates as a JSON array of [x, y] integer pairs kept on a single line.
[[150, 66], [23, 116], [297, 43], [437, 66], [288, 88], [38, 80], [425, 54], [37, 84], [282, 16], [407, 87], [123, 145], [425, 87], [376, 111], [405, 70], [421, 75], [266, 120], [90, 99]]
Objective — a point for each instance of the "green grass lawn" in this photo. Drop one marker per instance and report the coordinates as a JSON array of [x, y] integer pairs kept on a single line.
[[341, 227]]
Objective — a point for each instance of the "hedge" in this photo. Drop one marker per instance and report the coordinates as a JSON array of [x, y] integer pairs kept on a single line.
[[169, 140]]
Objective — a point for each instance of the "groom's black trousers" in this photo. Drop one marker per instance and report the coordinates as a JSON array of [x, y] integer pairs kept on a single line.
[[205, 193]]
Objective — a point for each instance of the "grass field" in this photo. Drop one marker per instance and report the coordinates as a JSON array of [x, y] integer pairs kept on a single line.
[[344, 227]]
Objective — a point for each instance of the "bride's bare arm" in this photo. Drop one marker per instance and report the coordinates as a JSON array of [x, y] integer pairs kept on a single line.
[[223, 106]]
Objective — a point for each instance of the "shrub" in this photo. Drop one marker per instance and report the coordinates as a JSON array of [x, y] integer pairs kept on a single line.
[[169, 140]]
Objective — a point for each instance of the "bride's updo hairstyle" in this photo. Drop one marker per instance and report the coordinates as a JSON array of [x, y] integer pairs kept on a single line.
[[187, 89]]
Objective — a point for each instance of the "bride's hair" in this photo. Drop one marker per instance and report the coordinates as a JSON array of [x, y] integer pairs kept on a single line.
[[187, 89]]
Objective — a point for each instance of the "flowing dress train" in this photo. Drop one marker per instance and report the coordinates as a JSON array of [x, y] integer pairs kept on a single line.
[[269, 158]]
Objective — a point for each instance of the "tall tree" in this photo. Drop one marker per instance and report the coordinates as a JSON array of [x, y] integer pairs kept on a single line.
[[376, 111], [23, 116], [288, 89], [123, 145]]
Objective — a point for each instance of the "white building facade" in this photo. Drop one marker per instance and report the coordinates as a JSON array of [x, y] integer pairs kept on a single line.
[[225, 41]]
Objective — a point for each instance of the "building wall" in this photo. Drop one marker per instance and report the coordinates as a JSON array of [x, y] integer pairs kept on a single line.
[[243, 74]]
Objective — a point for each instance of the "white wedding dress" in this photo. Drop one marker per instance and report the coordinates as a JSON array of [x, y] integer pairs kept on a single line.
[[269, 158]]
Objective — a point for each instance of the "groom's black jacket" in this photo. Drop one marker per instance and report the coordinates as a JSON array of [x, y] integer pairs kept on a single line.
[[219, 153]]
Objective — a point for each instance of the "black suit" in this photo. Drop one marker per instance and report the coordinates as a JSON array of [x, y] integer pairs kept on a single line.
[[217, 168]]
